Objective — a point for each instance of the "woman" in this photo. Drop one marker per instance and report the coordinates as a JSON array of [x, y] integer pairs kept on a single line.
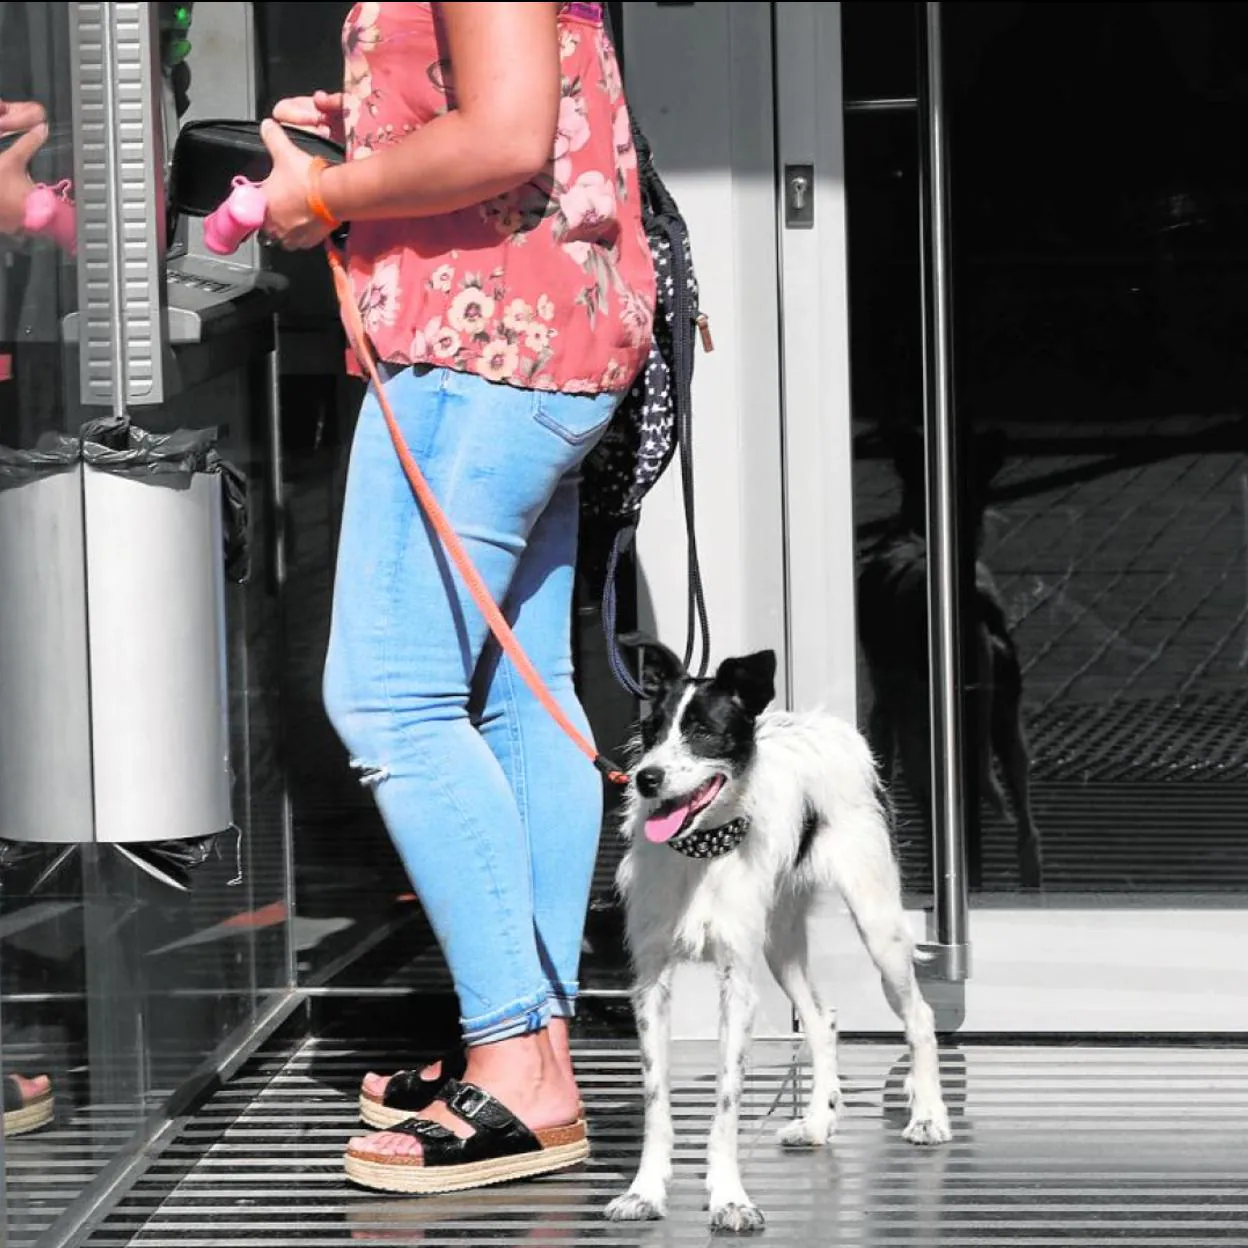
[[498, 257]]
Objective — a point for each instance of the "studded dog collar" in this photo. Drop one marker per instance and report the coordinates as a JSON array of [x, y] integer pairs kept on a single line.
[[712, 842]]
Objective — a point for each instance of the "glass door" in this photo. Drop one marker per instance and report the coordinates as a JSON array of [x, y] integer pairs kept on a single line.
[[1049, 392], [52, 1129], [145, 902]]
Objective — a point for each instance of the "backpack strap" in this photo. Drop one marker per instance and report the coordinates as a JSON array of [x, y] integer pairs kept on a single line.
[[682, 360]]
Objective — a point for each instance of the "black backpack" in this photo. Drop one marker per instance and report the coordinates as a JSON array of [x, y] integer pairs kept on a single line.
[[653, 420]]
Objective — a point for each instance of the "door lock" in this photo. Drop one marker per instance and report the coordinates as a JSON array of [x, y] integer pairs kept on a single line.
[[799, 197]]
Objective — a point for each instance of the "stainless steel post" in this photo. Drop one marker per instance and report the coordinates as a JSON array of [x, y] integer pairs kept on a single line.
[[950, 949]]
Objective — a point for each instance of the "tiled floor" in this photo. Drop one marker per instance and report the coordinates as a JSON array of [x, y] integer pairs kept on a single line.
[[1053, 1146]]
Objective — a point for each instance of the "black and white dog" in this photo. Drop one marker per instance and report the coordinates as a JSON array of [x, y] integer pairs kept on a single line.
[[738, 819]]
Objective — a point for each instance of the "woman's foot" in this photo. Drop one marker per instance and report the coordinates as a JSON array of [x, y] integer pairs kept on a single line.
[[523, 1073], [374, 1085]]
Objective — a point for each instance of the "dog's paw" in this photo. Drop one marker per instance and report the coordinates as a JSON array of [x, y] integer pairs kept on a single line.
[[633, 1207], [930, 1127], [808, 1132], [737, 1217]]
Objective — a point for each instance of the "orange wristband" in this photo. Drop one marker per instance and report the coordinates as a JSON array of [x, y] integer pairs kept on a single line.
[[315, 202]]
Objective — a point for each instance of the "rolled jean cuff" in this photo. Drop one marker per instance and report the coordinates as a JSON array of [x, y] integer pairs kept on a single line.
[[562, 1000], [520, 1018]]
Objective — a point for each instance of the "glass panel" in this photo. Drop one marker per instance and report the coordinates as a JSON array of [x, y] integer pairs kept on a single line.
[[43, 966], [204, 924], [1102, 309], [886, 376], [123, 967], [1100, 313]]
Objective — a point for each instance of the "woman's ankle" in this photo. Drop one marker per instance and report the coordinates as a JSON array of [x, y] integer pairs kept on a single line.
[[561, 1042], [524, 1059], [528, 1064]]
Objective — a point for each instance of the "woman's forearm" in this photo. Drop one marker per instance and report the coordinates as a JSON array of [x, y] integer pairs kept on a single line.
[[451, 163]]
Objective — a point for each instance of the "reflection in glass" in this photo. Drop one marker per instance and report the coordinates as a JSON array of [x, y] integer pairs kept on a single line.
[[1100, 312], [42, 970], [125, 967], [893, 630]]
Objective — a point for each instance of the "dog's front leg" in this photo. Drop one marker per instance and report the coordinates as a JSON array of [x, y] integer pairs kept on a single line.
[[731, 1208], [646, 1199]]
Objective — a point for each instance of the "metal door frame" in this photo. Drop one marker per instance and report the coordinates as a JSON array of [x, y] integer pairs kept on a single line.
[[1158, 966]]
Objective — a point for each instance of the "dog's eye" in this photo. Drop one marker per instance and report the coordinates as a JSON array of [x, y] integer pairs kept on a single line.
[[652, 727], [698, 731], [701, 721]]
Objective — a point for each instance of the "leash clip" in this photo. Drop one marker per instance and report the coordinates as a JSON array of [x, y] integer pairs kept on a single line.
[[611, 770]]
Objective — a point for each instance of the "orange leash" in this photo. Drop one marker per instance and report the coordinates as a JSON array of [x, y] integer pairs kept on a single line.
[[354, 326]]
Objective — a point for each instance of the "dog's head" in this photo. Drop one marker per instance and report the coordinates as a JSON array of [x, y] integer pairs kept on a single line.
[[697, 741], [985, 456]]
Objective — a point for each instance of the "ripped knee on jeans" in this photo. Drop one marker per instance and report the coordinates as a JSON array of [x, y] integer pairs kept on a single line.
[[369, 775]]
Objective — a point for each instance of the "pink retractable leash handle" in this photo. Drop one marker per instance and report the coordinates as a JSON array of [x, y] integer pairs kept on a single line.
[[50, 212], [238, 218]]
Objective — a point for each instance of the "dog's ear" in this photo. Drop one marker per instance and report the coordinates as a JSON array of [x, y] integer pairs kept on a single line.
[[751, 681], [659, 666]]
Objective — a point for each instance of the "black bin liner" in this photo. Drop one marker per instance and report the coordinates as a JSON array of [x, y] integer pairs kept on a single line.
[[113, 444]]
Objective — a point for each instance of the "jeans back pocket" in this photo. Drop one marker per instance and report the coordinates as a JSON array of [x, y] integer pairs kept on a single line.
[[576, 418]]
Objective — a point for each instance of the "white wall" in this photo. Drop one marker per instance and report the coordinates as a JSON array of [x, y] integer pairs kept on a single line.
[[700, 80], [819, 496]]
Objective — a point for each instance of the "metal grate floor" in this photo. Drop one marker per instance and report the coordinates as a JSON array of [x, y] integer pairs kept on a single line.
[[1053, 1146]]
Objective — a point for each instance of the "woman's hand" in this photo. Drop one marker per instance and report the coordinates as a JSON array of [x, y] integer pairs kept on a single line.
[[321, 113], [15, 182], [19, 115], [289, 220]]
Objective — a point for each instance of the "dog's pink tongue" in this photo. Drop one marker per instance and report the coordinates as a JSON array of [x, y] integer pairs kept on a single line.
[[661, 828]]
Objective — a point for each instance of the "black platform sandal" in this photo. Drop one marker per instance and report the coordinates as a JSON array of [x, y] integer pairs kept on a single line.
[[408, 1092], [501, 1149]]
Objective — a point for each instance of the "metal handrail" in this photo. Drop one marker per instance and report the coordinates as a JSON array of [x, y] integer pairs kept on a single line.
[[950, 950], [901, 104]]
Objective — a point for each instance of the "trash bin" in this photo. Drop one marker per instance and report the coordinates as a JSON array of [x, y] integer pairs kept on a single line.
[[114, 552]]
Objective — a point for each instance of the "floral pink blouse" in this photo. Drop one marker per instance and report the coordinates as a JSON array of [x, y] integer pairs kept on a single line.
[[549, 286]]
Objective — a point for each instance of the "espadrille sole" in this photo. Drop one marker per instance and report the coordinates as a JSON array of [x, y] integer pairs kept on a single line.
[[30, 1117], [562, 1148], [382, 1117]]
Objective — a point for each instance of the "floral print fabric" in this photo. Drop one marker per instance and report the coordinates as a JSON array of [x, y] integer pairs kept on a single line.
[[550, 286]]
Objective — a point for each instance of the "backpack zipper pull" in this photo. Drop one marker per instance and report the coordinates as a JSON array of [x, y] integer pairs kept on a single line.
[[702, 321]]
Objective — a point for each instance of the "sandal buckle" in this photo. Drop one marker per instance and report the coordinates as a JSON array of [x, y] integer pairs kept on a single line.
[[468, 1101]]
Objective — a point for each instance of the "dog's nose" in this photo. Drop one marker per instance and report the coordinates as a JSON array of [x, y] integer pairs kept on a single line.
[[649, 781]]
